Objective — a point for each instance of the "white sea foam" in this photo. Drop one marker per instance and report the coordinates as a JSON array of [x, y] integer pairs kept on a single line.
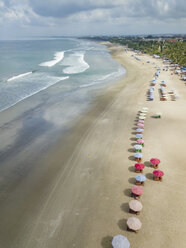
[[75, 63], [102, 79], [50, 82], [19, 76], [57, 58]]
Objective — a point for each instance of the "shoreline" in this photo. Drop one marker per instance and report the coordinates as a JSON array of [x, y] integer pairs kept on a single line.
[[78, 193]]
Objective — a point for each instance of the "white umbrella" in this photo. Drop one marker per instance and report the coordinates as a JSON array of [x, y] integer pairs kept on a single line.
[[137, 147], [134, 223], [120, 241], [135, 205], [142, 114], [138, 155], [142, 117], [144, 111]]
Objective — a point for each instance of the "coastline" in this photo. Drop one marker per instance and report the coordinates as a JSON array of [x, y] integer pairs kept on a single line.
[[78, 193]]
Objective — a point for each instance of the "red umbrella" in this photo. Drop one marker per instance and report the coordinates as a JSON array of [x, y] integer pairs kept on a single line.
[[137, 190], [155, 161], [139, 166], [158, 173]]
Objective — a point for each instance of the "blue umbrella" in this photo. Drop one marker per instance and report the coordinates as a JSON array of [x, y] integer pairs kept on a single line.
[[139, 130], [140, 178], [120, 241], [139, 135], [138, 155]]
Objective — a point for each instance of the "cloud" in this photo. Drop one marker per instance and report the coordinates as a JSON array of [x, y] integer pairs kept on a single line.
[[81, 17], [135, 8], [65, 8]]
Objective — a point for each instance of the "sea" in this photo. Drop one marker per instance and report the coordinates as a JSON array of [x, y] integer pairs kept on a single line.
[[67, 70]]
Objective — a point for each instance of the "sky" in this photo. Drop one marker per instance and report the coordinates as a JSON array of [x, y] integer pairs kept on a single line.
[[32, 18]]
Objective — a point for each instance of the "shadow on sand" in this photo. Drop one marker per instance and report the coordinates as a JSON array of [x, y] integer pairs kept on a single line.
[[122, 224], [149, 176], [127, 192], [147, 164], [131, 150], [125, 207], [132, 168], [132, 180], [106, 242], [132, 158]]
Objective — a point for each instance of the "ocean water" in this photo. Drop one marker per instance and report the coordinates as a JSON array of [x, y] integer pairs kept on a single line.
[[30, 66]]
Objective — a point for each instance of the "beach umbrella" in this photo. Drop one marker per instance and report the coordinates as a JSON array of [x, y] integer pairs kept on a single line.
[[138, 147], [137, 190], [143, 111], [158, 173], [139, 130], [138, 155], [140, 178], [135, 205], [120, 241], [140, 141], [139, 135], [142, 114], [134, 223], [155, 161], [140, 125], [142, 117], [162, 88], [139, 166], [141, 121]]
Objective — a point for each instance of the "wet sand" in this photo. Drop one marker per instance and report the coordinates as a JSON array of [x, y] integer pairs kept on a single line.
[[76, 193]]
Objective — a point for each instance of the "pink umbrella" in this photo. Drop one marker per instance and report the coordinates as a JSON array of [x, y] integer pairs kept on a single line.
[[158, 173], [139, 166], [155, 161], [141, 121], [137, 190], [140, 125], [140, 141]]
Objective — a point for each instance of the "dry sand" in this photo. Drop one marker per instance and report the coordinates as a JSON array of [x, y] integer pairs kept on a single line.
[[78, 196]]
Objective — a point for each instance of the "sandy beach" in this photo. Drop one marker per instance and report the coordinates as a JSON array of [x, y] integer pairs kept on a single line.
[[76, 193]]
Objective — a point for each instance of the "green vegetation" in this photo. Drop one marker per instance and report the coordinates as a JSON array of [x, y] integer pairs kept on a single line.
[[171, 47], [175, 51]]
